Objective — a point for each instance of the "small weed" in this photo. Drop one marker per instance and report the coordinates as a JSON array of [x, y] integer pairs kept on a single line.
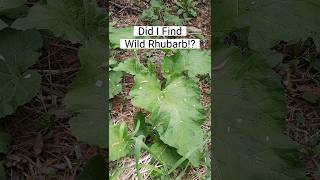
[[186, 8]]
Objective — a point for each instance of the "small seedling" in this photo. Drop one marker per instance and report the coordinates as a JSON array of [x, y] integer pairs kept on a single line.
[[186, 8]]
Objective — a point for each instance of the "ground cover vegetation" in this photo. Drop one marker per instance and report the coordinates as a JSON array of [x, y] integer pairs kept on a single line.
[[53, 89], [266, 72], [160, 99]]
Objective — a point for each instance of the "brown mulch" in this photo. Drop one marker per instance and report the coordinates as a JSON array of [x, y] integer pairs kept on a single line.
[[303, 118], [42, 145]]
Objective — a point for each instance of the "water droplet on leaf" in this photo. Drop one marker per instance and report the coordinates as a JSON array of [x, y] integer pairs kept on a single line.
[[27, 76], [99, 83]]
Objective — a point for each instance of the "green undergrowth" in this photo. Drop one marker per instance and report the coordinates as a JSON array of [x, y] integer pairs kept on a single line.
[[250, 101], [23, 33], [172, 133]]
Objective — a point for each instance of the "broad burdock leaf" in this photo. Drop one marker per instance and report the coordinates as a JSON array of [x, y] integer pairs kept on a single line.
[[250, 115], [18, 51], [87, 96], [131, 66], [173, 20], [2, 25], [194, 62], [10, 4], [176, 112], [115, 34], [225, 12], [112, 63], [164, 153], [115, 86], [74, 20], [272, 21], [119, 141], [146, 91]]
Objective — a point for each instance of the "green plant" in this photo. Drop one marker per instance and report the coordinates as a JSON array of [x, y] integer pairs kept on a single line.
[[80, 22], [186, 8], [174, 126], [77, 21], [177, 122], [158, 11], [18, 51], [153, 13], [247, 83]]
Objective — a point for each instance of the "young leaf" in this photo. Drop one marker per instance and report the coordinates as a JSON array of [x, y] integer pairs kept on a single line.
[[112, 63], [173, 20], [94, 169], [273, 21], [195, 62], [149, 14], [114, 83], [192, 12], [119, 142], [87, 96], [164, 153], [156, 4], [249, 119], [2, 25], [18, 51], [131, 66], [121, 33], [10, 4], [74, 20]]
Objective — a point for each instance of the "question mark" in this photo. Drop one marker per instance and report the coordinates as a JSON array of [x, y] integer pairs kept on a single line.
[[193, 42]]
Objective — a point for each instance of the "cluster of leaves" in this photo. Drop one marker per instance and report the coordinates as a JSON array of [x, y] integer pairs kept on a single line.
[[186, 8], [158, 11], [176, 114], [246, 84], [76, 21]]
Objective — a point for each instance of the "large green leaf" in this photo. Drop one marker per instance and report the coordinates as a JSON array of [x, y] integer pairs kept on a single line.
[[131, 66], [115, 34], [176, 112], [10, 4], [75, 20], [195, 62], [164, 153], [272, 21], [18, 51], [114, 83], [94, 169], [224, 13], [119, 141], [2, 25], [250, 113], [87, 96]]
